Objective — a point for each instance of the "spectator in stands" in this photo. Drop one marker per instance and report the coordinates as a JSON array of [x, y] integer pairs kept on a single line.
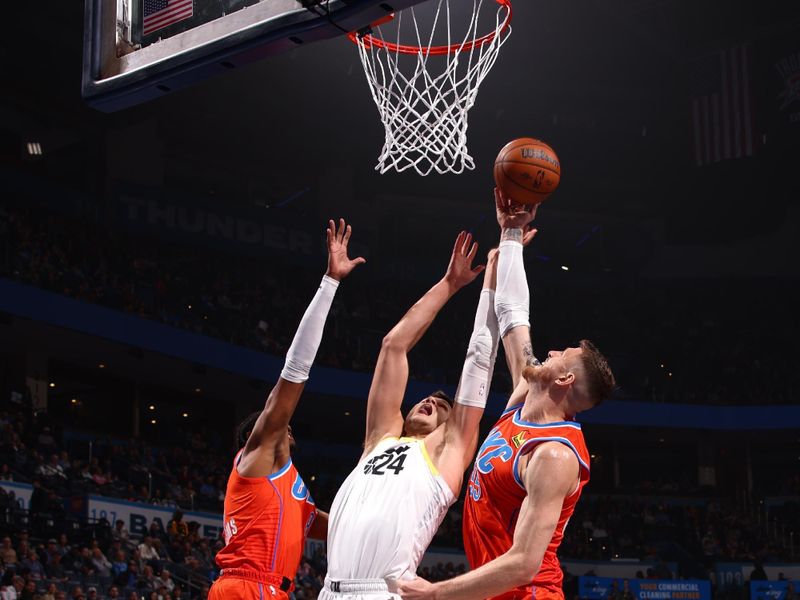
[[165, 580], [177, 527], [32, 566], [5, 473], [146, 581], [100, 564], [119, 567], [54, 569], [120, 532], [147, 552], [156, 531], [791, 594], [50, 592], [12, 587], [63, 545], [91, 593], [52, 469], [113, 592], [28, 590], [128, 577], [758, 573], [22, 549], [7, 552], [77, 593]]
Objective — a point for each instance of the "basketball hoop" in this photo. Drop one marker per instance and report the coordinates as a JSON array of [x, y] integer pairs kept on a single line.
[[424, 113]]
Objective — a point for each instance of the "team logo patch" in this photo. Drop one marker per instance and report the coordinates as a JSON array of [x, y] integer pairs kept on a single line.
[[519, 439]]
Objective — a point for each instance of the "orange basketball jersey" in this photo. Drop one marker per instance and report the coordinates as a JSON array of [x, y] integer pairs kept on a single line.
[[496, 493], [266, 522]]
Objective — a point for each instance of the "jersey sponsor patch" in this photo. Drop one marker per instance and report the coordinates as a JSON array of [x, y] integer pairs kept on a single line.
[[519, 439]]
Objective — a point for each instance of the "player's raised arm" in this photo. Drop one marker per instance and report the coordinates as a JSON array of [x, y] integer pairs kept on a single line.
[[512, 299], [461, 429], [267, 447], [550, 476], [391, 371]]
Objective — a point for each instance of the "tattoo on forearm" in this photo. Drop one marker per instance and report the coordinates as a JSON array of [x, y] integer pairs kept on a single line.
[[511, 234], [527, 352]]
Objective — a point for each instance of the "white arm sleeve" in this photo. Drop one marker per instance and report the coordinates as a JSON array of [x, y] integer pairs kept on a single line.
[[309, 333], [512, 300], [476, 376]]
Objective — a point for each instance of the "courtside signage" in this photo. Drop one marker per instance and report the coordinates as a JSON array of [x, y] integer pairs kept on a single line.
[[138, 516], [601, 588]]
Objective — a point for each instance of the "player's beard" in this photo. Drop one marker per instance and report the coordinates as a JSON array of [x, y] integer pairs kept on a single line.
[[539, 375]]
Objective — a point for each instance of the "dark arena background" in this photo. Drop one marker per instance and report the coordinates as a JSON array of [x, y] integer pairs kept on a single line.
[[156, 257]]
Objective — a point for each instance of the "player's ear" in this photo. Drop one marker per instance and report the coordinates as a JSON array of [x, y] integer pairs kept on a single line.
[[567, 378]]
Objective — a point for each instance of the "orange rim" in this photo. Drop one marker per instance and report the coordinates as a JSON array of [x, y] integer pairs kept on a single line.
[[370, 41]]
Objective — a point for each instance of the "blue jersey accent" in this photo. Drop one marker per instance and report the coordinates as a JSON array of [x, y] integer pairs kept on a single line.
[[475, 485], [537, 441], [299, 489], [282, 470], [522, 423], [495, 446]]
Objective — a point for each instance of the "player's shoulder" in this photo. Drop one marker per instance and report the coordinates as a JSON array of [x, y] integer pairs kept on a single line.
[[553, 452]]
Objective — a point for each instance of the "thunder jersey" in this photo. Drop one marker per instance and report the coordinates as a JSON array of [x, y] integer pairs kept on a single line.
[[496, 493], [266, 522], [386, 513]]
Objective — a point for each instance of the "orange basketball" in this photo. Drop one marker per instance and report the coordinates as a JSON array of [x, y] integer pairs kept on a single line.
[[527, 170]]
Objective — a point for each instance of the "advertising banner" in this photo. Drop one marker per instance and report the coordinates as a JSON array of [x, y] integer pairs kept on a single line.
[[773, 590], [22, 492], [138, 516], [606, 588]]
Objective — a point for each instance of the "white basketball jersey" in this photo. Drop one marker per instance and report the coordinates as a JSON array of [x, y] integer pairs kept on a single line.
[[386, 513]]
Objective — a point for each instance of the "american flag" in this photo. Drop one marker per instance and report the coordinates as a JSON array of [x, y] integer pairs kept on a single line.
[[160, 13], [723, 109]]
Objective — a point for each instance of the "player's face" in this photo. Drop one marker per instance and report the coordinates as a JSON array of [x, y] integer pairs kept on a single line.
[[427, 415], [292, 442], [557, 363]]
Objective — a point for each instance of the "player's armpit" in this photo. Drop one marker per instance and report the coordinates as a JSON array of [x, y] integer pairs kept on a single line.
[[270, 431]]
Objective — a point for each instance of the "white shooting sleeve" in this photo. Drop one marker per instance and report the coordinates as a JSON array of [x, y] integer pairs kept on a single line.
[[512, 300], [476, 376], [309, 333]]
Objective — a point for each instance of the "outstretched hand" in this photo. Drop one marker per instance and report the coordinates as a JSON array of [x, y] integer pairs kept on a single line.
[[460, 271], [511, 215], [339, 264]]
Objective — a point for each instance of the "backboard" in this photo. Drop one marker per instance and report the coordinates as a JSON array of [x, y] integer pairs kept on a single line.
[[139, 50]]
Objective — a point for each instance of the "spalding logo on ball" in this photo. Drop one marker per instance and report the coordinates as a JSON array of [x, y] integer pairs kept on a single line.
[[527, 170]]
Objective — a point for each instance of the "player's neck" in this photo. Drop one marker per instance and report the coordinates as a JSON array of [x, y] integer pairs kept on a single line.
[[541, 408]]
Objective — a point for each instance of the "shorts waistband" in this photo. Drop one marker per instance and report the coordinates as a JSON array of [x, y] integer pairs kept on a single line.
[[358, 586], [284, 583]]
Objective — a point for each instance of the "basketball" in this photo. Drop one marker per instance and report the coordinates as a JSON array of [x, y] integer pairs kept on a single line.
[[527, 170]]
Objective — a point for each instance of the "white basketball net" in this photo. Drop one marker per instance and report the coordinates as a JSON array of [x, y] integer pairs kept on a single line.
[[424, 113]]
